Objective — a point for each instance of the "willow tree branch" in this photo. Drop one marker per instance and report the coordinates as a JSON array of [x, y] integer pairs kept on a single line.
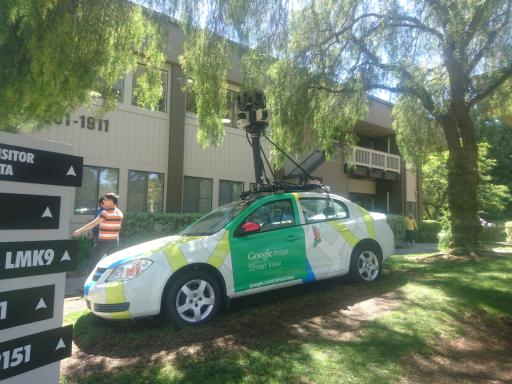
[[506, 74]]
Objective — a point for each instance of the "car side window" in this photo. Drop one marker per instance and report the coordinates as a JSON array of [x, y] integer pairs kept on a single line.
[[317, 209], [273, 215]]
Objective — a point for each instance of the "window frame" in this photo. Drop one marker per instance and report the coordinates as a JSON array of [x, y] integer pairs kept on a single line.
[[146, 178], [98, 176], [342, 204], [197, 179], [231, 183], [133, 101]]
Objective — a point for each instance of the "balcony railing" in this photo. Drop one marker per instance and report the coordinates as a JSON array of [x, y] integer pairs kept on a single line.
[[376, 159]]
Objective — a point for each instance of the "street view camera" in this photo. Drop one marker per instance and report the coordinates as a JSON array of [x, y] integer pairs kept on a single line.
[[254, 118]]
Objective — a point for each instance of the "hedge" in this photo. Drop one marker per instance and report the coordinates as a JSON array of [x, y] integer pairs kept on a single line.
[[428, 231], [397, 225], [508, 231], [140, 227]]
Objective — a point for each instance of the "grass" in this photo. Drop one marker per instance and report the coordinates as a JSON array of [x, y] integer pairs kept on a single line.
[[257, 341]]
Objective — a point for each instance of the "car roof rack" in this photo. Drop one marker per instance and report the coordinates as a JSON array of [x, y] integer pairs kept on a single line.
[[279, 187]]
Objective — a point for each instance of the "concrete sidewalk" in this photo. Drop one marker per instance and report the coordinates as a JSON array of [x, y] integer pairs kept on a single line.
[[74, 286], [419, 248]]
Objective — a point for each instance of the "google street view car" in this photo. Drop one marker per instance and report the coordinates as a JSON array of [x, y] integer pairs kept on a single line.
[[262, 242]]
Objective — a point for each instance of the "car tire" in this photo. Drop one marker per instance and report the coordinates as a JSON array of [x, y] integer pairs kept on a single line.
[[366, 263], [193, 298]]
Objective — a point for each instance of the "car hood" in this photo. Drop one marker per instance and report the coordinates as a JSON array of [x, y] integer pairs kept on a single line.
[[145, 250]]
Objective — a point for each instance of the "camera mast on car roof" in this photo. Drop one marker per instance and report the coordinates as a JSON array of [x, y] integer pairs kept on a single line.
[[254, 117]]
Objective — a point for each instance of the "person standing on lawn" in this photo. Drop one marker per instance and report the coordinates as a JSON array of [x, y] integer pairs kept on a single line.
[[410, 229], [110, 221]]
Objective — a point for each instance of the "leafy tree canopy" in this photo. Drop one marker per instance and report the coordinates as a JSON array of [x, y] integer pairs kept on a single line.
[[55, 55]]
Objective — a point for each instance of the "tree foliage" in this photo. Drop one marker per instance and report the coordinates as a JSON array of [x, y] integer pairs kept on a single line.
[[53, 53], [493, 197]]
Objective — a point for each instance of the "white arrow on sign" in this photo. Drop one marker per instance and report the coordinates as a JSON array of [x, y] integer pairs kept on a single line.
[[41, 304], [71, 172], [61, 344], [65, 257], [47, 213]]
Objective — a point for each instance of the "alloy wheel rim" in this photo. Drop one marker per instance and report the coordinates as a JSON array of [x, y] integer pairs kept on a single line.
[[195, 300], [368, 265]]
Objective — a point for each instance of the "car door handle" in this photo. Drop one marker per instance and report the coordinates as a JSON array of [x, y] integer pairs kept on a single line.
[[293, 237]]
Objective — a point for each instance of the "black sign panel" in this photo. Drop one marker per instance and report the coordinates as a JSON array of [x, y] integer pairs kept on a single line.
[[31, 258], [23, 306], [34, 351], [19, 211], [35, 166]]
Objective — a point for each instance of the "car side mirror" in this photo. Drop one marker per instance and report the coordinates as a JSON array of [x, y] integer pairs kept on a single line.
[[249, 227]]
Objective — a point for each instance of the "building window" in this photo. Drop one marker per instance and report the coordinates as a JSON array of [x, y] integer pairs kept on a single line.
[[229, 191], [231, 108], [197, 194], [96, 181], [145, 192], [191, 102], [162, 103], [231, 114]]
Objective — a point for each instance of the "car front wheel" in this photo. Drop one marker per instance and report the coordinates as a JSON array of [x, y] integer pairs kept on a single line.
[[193, 298], [365, 263]]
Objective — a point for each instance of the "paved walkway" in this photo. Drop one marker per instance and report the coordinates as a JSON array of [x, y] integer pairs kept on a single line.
[[419, 248]]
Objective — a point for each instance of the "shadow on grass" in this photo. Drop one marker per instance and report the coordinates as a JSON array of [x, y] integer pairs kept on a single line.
[[297, 335], [249, 322], [373, 358]]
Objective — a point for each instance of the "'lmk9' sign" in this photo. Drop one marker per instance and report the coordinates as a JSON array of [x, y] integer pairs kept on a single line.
[[30, 258]]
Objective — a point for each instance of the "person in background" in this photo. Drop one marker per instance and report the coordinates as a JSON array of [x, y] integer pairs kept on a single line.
[[110, 221], [96, 230], [410, 229]]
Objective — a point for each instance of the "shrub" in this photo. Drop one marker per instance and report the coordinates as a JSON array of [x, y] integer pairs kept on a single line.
[[140, 227], [493, 234], [428, 231], [397, 225], [508, 231], [445, 235]]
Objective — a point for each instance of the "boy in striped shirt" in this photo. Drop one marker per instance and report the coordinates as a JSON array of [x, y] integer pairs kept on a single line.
[[110, 221]]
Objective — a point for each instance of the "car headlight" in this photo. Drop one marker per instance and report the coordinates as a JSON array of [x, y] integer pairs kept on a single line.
[[129, 270]]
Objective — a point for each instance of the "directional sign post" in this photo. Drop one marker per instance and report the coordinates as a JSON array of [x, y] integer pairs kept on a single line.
[[35, 166], [32, 258], [37, 180], [21, 211], [33, 351], [24, 306]]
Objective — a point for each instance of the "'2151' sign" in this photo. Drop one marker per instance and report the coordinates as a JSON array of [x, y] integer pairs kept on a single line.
[[85, 122]]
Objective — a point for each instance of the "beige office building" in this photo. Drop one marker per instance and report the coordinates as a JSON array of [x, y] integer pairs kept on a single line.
[[152, 158]]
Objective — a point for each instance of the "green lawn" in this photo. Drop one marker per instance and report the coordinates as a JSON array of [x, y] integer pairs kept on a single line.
[[311, 334]]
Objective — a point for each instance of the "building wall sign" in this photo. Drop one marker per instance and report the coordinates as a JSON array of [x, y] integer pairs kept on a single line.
[[37, 166]]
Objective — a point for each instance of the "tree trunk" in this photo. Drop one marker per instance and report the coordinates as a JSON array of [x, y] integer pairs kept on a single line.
[[462, 182]]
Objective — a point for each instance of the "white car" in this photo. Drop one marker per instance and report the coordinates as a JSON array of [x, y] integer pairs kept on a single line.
[[264, 242]]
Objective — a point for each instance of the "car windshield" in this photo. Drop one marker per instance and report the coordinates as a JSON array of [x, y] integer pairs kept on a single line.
[[215, 220]]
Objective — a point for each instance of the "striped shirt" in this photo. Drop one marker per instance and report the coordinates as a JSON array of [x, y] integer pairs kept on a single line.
[[111, 225]]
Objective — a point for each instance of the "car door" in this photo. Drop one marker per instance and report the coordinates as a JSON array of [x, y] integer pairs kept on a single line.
[[326, 227], [276, 253]]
